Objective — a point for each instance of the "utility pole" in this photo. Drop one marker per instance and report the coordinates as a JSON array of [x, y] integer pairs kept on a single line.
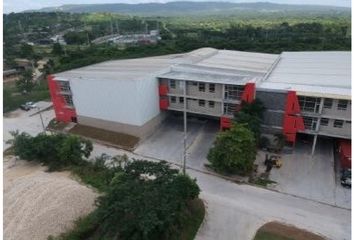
[[117, 27], [111, 27], [185, 126], [40, 115], [88, 39]]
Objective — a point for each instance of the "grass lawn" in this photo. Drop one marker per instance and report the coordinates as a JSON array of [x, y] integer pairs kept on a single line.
[[278, 231], [120, 139]]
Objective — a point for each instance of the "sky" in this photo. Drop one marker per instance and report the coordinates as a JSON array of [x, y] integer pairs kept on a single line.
[[21, 5]]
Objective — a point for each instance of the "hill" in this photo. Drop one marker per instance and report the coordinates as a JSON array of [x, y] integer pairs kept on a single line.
[[190, 8]]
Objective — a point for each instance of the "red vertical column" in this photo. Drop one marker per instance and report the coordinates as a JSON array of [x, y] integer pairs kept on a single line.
[[63, 113], [292, 122], [249, 93], [163, 90]]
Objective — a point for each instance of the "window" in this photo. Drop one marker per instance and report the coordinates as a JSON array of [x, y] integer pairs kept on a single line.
[[211, 87], [172, 84], [64, 86], [324, 121], [181, 100], [233, 92], [309, 104], [201, 87], [349, 122], [194, 83], [68, 100], [229, 109], [342, 105], [173, 99], [338, 123], [328, 103], [211, 104], [310, 123], [202, 103]]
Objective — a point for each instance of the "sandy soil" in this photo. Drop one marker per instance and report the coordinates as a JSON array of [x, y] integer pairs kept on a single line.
[[38, 204]]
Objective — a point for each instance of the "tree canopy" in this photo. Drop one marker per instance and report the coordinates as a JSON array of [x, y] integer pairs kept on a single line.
[[234, 150]]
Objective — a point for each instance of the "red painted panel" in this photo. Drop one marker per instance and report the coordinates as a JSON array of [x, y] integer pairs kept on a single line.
[[290, 137], [249, 93], [164, 103], [289, 125], [163, 89], [62, 112], [292, 121], [292, 104], [225, 122], [345, 153]]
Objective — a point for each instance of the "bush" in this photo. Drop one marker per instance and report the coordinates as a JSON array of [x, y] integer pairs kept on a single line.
[[234, 150], [145, 201], [56, 150]]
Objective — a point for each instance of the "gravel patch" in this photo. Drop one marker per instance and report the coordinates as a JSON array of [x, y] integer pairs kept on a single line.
[[38, 204]]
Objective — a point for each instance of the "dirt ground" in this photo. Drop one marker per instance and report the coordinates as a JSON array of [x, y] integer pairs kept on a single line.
[[288, 232], [38, 204], [120, 139]]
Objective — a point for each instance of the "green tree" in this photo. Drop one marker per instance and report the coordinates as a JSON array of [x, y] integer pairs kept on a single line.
[[57, 49], [26, 51], [234, 151], [146, 200], [251, 114], [25, 83]]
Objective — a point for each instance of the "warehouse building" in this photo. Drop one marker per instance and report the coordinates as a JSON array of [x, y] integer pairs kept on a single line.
[[307, 92]]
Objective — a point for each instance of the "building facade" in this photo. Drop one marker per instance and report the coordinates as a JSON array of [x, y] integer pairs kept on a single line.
[[303, 92]]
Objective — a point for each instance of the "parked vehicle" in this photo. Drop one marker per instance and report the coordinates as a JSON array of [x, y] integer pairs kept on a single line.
[[25, 107], [346, 178], [345, 157], [28, 106], [31, 104]]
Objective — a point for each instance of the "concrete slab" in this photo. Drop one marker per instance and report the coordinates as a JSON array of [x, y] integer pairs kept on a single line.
[[24, 122], [167, 142], [310, 177]]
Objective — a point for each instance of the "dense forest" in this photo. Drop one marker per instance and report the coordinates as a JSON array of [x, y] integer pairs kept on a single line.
[[272, 33]]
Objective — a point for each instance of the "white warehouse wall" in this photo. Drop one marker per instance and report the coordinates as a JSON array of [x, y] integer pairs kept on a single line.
[[125, 101], [148, 98]]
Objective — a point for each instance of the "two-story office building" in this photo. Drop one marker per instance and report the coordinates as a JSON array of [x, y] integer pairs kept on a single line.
[[307, 92]]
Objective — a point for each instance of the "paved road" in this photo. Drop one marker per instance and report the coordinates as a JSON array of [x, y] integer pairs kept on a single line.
[[236, 211]]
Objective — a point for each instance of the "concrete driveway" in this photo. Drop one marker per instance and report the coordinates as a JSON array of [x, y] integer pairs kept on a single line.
[[26, 121], [311, 177], [167, 142]]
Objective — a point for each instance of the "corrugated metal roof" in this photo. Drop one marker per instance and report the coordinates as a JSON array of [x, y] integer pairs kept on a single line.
[[237, 60], [312, 73], [208, 77], [128, 69]]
